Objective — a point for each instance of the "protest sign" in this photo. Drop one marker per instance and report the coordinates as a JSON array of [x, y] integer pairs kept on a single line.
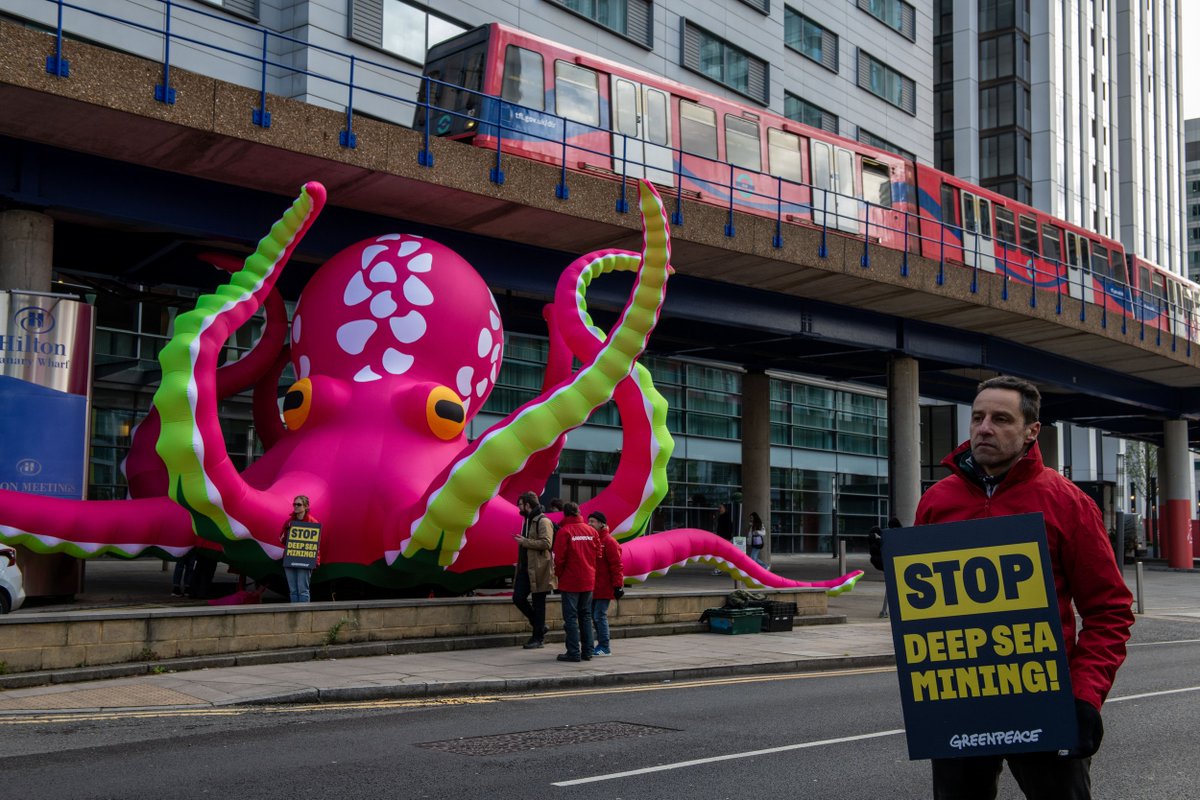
[[979, 644], [303, 544]]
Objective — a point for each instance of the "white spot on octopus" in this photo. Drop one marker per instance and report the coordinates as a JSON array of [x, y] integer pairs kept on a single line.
[[352, 337], [366, 375], [463, 380], [382, 305], [395, 362], [356, 290], [421, 263], [383, 272], [416, 292], [409, 328], [369, 253], [485, 343]]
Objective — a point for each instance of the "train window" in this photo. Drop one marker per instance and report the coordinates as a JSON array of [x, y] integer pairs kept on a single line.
[[576, 93], [949, 207], [1051, 238], [655, 122], [1072, 253], [1085, 260], [968, 207], [1029, 239], [625, 108], [743, 148], [1006, 229], [845, 173], [1120, 269], [783, 152], [877, 183], [523, 79], [697, 129], [1144, 281], [1100, 263], [822, 168], [985, 218]]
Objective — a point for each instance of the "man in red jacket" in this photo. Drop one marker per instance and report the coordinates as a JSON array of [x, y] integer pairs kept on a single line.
[[575, 548], [609, 580], [999, 472]]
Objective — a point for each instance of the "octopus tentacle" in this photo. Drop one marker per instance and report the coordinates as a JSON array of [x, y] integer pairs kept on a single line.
[[640, 482], [454, 503], [656, 555], [154, 526], [202, 478]]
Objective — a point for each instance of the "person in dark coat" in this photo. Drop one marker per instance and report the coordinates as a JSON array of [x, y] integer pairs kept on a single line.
[[609, 580]]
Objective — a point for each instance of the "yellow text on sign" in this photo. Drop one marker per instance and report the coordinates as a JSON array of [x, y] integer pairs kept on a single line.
[[979, 580]]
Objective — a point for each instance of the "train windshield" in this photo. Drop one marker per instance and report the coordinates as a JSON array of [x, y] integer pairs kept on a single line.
[[454, 83]]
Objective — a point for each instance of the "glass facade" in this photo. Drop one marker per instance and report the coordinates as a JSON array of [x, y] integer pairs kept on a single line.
[[801, 110], [409, 30]]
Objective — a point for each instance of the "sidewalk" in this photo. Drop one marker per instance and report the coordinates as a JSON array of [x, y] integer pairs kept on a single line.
[[864, 642]]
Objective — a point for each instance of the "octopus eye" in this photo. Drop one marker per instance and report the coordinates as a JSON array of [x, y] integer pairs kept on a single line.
[[445, 413], [297, 403]]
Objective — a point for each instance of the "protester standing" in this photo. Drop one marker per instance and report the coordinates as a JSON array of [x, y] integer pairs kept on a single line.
[[534, 576], [298, 579], [999, 472], [609, 580]]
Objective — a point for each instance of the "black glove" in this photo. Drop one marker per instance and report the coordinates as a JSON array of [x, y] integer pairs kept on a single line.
[[618, 592], [1091, 730]]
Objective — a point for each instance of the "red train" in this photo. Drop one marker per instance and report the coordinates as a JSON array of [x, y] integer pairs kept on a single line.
[[503, 89]]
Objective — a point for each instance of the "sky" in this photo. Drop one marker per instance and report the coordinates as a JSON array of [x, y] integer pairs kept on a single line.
[[1191, 58]]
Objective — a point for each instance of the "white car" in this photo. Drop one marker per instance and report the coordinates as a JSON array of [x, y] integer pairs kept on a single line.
[[12, 587]]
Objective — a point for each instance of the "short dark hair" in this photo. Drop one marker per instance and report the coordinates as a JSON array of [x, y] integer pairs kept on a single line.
[[570, 509], [1031, 398], [529, 499], [556, 504], [599, 516]]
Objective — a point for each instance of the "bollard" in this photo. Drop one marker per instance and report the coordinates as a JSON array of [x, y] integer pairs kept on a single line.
[[841, 556], [1141, 604]]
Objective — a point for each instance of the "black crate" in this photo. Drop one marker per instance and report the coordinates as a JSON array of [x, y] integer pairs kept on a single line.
[[775, 609], [778, 622], [734, 620]]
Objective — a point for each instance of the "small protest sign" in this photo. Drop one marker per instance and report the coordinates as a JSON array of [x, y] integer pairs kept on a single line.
[[303, 544], [979, 644]]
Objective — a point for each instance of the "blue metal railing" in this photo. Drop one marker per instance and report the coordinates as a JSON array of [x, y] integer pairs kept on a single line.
[[1139, 304]]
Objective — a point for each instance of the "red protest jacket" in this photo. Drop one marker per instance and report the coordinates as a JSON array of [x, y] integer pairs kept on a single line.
[[575, 547], [609, 573], [1085, 569]]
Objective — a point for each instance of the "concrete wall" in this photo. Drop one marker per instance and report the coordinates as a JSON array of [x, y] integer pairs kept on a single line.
[[35, 642]]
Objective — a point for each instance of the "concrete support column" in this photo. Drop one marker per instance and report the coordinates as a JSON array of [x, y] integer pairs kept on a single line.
[[756, 453], [26, 264], [1175, 485], [1048, 443], [904, 439], [26, 250]]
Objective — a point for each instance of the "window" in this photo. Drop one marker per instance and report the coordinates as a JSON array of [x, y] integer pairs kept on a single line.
[[243, 8], [1051, 237], [1006, 229], [759, 5], [866, 137], [949, 207], [999, 14], [742, 145], [1029, 241], [404, 29], [803, 111], [1004, 56], [1004, 106], [576, 95], [896, 14], [720, 61], [632, 19], [1100, 263], [810, 39], [697, 129], [877, 183], [783, 151], [523, 79], [882, 81]]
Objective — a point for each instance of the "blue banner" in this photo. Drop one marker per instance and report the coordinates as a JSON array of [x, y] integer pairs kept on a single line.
[[43, 434], [979, 644]]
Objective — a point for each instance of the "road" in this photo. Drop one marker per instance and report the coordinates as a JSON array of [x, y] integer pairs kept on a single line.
[[826, 735]]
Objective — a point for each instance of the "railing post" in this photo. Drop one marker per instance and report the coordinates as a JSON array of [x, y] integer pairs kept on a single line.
[[777, 241], [425, 155], [1033, 276], [1004, 264], [347, 138], [677, 217], [904, 259], [941, 276], [622, 203], [823, 250], [260, 116], [865, 259], [561, 191], [729, 229], [975, 272], [496, 175], [1058, 287], [57, 65], [164, 93], [1082, 296]]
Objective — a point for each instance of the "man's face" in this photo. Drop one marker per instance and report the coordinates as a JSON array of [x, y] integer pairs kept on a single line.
[[522, 507], [999, 433], [595, 523]]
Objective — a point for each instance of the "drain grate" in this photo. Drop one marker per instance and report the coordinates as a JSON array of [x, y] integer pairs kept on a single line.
[[546, 737]]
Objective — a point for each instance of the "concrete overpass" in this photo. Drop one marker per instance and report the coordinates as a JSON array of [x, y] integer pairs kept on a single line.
[[205, 174]]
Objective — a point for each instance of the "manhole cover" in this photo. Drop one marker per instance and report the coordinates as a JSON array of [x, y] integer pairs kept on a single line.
[[546, 737]]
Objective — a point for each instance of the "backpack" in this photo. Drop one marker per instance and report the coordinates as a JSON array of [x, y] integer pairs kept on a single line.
[[740, 598], [875, 548]]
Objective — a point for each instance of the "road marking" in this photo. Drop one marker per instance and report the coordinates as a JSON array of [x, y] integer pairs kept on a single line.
[[1160, 644], [751, 754], [1153, 694]]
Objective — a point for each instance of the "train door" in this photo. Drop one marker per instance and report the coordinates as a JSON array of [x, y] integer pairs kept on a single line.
[[641, 142], [1079, 268], [834, 194], [979, 248]]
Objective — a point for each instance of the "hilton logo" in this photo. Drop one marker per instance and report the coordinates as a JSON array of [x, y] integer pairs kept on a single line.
[[28, 467], [32, 319]]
